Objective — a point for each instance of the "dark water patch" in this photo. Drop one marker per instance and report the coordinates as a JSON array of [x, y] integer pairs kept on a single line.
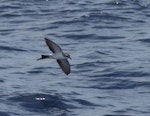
[[4, 114], [41, 103], [6, 31], [18, 21], [12, 49], [139, 21], [116, 115], [35, 72], [10, 15], [126, 74], [127, 110], [102, 79], [92, 36], [10, 7], [84, 65], [22, 73], [1, 81], [119, 84], [72, 93], [121, 111], [8, 67], [3, 68], [110, 37], [87, 65], [40, 70], [142, 5], [79, 36], [29, 13], [42, 28], [67, 22], [83, 72], [74, 30], [101, 53], [147, 40], [107, 27], [70, 11], [100, 17], [144, 92], [84, 102]]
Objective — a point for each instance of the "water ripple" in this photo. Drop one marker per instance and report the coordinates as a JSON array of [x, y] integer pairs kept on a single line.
[[8, 48], [42, 103], [4, 114]]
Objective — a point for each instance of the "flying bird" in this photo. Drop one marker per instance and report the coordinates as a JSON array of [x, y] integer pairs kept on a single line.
[[57, 54]]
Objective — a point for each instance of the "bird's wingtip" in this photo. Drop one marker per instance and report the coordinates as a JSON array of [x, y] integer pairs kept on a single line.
[[67, 74], [39, 59], [46, 38]]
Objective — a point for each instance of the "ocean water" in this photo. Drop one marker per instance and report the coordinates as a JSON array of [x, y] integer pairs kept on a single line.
[[109, 42]]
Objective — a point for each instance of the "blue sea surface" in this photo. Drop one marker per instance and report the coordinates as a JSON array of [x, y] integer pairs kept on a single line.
[[109, 42]]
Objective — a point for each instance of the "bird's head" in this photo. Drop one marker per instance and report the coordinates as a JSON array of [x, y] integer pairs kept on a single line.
[[67, 55]]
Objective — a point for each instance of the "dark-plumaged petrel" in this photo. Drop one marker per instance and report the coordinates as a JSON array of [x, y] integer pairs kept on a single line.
[[57, 54]]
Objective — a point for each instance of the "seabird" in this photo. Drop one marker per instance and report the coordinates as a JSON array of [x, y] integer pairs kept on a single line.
[[57, 54]]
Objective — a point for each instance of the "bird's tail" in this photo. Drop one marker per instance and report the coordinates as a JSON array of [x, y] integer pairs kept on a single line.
[[43, 57]]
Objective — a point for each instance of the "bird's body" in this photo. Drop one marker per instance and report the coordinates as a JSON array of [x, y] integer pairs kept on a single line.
[[58, 55]]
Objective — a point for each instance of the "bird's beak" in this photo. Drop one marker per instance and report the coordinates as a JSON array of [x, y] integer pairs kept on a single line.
[[69, 57]]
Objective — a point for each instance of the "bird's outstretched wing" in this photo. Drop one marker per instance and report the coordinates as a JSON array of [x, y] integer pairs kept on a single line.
[[53, 46], [65, 66]]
